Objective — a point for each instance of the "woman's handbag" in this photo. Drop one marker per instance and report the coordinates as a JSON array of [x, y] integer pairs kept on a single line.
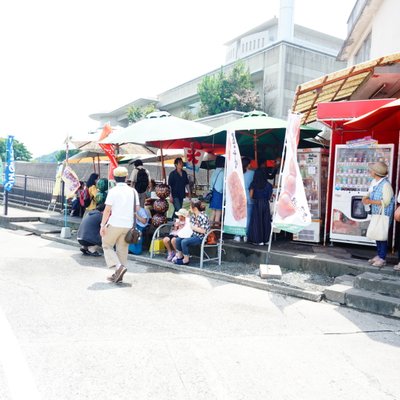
[[208, 197], [133, 236], [397, 214], [379, 226]]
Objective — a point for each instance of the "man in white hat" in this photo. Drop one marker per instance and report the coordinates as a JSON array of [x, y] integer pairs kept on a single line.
[[116, 222]]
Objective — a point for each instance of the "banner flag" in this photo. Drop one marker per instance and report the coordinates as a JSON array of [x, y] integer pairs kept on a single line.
[[71, 181], [57, 184], [292, 213], [235, 218], [109, 149], [1, 171], [194, 158], [10, 165]]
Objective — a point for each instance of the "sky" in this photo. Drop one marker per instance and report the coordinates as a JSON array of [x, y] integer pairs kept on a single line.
[[62, 61]]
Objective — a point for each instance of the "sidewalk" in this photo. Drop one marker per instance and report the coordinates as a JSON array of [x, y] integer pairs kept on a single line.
[[308, 269]]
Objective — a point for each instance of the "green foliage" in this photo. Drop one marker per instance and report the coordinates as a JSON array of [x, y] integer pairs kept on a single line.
[[135, 114], [188, 114], [61, 155], [221, 93], [21, 153]]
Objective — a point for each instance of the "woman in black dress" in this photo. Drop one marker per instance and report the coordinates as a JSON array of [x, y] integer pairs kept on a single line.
[[260, 223]]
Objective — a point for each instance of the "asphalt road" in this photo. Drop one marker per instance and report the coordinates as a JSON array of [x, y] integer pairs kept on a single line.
[[66, 333]]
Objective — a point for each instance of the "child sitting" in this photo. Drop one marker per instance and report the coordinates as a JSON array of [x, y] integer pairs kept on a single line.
[[170, 240]]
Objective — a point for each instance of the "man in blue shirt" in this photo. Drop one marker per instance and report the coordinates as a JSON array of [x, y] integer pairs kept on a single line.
[[178, 182]]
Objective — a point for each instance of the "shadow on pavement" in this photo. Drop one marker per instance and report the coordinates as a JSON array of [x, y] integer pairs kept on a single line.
[[108, 285]]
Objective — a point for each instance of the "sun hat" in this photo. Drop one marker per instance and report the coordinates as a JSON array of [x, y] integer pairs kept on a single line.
[[182, 212], [380, 168], [120, 172]]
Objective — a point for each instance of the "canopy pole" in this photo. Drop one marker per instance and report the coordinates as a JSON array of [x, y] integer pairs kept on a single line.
[[194, 166], [164, 175], [255, 148]]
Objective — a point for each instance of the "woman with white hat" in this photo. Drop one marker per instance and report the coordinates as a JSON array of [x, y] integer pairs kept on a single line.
[[380, 194]]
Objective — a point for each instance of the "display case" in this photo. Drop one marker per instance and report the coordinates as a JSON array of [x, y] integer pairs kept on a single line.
[[350, 219], [313, 165]]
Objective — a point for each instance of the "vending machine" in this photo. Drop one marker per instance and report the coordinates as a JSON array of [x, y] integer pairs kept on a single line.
[[349, 218], [313, 164]]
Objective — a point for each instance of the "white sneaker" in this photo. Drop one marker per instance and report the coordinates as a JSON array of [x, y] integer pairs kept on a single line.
[[245, 239], [236, 238]]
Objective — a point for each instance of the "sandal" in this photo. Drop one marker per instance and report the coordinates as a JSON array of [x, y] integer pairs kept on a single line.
[[181, 262]]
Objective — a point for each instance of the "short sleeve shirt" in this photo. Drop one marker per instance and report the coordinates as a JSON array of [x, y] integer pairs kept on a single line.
[[201, 221], [121, 199]]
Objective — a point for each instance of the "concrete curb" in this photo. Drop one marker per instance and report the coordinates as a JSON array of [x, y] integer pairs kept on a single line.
[[268, 286]]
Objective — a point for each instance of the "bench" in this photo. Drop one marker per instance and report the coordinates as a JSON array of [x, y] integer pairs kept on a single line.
[[161, 231]]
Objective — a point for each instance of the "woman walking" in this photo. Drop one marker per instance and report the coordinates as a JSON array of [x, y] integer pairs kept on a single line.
[[380, 194]]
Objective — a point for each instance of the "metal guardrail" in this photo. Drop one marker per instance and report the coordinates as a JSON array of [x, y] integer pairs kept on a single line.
[[34, 192]]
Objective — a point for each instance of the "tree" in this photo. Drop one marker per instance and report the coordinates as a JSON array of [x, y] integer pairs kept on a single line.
[[21, 153], [61, 155], [135, 114], [221, 93]]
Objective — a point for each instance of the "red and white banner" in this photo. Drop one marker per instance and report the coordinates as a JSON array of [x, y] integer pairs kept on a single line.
[[109, 150], [235, 219], [194, 158], [292, 213]]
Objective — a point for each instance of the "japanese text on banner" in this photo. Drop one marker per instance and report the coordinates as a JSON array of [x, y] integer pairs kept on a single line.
[[235, 220], [71, 181], [10, 165], [292, 211]]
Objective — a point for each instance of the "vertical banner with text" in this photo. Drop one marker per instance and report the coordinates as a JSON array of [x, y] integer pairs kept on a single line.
[[9, 179], [71, 181], [292, 211], [235, 218]]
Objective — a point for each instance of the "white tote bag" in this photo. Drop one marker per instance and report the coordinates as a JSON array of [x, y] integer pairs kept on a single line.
[[186, 231], [379, 226]]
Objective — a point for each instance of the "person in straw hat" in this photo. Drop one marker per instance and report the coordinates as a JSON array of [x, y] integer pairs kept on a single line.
[[380, 194], [116, 222]]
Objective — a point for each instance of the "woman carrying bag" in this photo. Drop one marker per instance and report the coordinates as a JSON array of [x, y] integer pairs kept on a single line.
[[380, 195]]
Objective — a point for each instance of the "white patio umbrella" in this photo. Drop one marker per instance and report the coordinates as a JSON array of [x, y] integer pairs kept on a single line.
[[160, 129], [164, 131]]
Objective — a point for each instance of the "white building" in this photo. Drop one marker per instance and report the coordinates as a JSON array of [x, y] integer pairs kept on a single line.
[[279, 56], [373, 31]]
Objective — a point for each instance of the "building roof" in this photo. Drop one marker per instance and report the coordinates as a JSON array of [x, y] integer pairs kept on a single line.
[[379, 78]]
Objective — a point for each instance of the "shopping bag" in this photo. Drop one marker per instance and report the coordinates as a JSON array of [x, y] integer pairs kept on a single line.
[[379, 226]]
